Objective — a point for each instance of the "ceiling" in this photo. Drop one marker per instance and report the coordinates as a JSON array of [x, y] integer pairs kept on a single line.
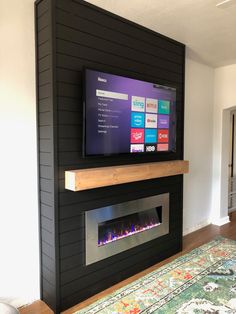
[[208, 31]]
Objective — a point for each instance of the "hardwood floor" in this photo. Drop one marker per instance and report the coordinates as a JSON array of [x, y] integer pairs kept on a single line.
[[38, 307], [190, 242]]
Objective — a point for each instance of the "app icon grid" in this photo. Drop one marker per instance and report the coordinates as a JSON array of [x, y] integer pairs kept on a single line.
[[149, 127]]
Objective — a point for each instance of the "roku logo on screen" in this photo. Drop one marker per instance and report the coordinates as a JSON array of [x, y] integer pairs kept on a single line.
[[102, 80]]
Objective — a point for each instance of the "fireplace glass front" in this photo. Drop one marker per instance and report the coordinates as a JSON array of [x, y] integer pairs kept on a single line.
[[113, 229], [122, 227]]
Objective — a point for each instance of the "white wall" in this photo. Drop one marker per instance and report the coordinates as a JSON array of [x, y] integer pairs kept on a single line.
[[210, 96], [19, 248], [199, 80], [224, 101]]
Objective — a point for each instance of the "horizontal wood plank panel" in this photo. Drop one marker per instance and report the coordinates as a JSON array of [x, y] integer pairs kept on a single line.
[[44, 77], [43, 51], [45, 119], [45, 145], [67, 145], [92, 28], [47, 249], [43, 35], [69, 131], [47, 224], [44, 104], [46, 185], [69, 104], [109, 194], [45, 132], [72, 261], [44, 63], [44, 91], [71, 249], [71, 223], [46, 273], [72, 236], [113, 21], [43, 21], [42, 8], [48, 286], [69, 90], [46, 172], [69, 117], [46, 159], [48, 262], [86, 53], [68, 160], [47, 211], [71, 63], [108, 47]]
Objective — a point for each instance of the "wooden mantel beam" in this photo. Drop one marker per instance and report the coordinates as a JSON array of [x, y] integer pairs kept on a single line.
[[84, 179]]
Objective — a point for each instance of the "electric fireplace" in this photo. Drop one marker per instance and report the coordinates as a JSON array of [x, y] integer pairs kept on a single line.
[[113, 229]]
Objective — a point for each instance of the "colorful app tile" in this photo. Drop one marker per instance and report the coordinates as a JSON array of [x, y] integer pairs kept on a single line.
[[151, 120], [163, 106], [163, 121], [137, 136], [137, 120], [150, 136], [150, 148], [137, 103], [151, 105], [162, 147], [137, 148], [163, 136]]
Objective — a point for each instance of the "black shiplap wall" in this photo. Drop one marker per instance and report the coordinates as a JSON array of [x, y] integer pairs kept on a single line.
[[71, 35], [47, 153]]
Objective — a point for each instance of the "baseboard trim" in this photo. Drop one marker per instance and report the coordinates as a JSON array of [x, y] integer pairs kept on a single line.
[[221, 221], [197, 227], [217, 222]]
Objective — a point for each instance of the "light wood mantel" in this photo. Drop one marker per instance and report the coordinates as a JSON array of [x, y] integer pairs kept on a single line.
[[85, 179]]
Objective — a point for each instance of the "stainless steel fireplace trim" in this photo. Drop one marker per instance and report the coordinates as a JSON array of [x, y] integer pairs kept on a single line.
[[94, 253]]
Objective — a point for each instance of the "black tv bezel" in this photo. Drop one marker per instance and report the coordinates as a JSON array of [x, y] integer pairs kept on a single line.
[[144, 154]]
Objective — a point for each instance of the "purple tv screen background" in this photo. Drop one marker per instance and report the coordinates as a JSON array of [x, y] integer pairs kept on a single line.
[[124, 115]]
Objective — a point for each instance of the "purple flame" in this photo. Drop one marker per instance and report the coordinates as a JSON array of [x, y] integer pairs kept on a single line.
[[114, 236]]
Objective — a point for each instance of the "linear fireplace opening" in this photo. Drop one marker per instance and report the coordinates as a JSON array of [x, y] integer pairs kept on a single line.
[[122, 227], [113, 229]]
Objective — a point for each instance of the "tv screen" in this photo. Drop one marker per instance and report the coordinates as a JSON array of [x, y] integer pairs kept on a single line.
[[125, 115]]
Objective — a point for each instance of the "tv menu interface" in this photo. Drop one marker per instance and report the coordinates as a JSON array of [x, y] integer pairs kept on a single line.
[[125, 115]]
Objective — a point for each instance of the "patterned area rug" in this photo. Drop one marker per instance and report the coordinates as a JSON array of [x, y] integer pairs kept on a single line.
[[202, 281]]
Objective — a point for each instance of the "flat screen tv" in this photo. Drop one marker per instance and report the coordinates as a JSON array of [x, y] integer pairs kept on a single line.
[[123, 115]]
